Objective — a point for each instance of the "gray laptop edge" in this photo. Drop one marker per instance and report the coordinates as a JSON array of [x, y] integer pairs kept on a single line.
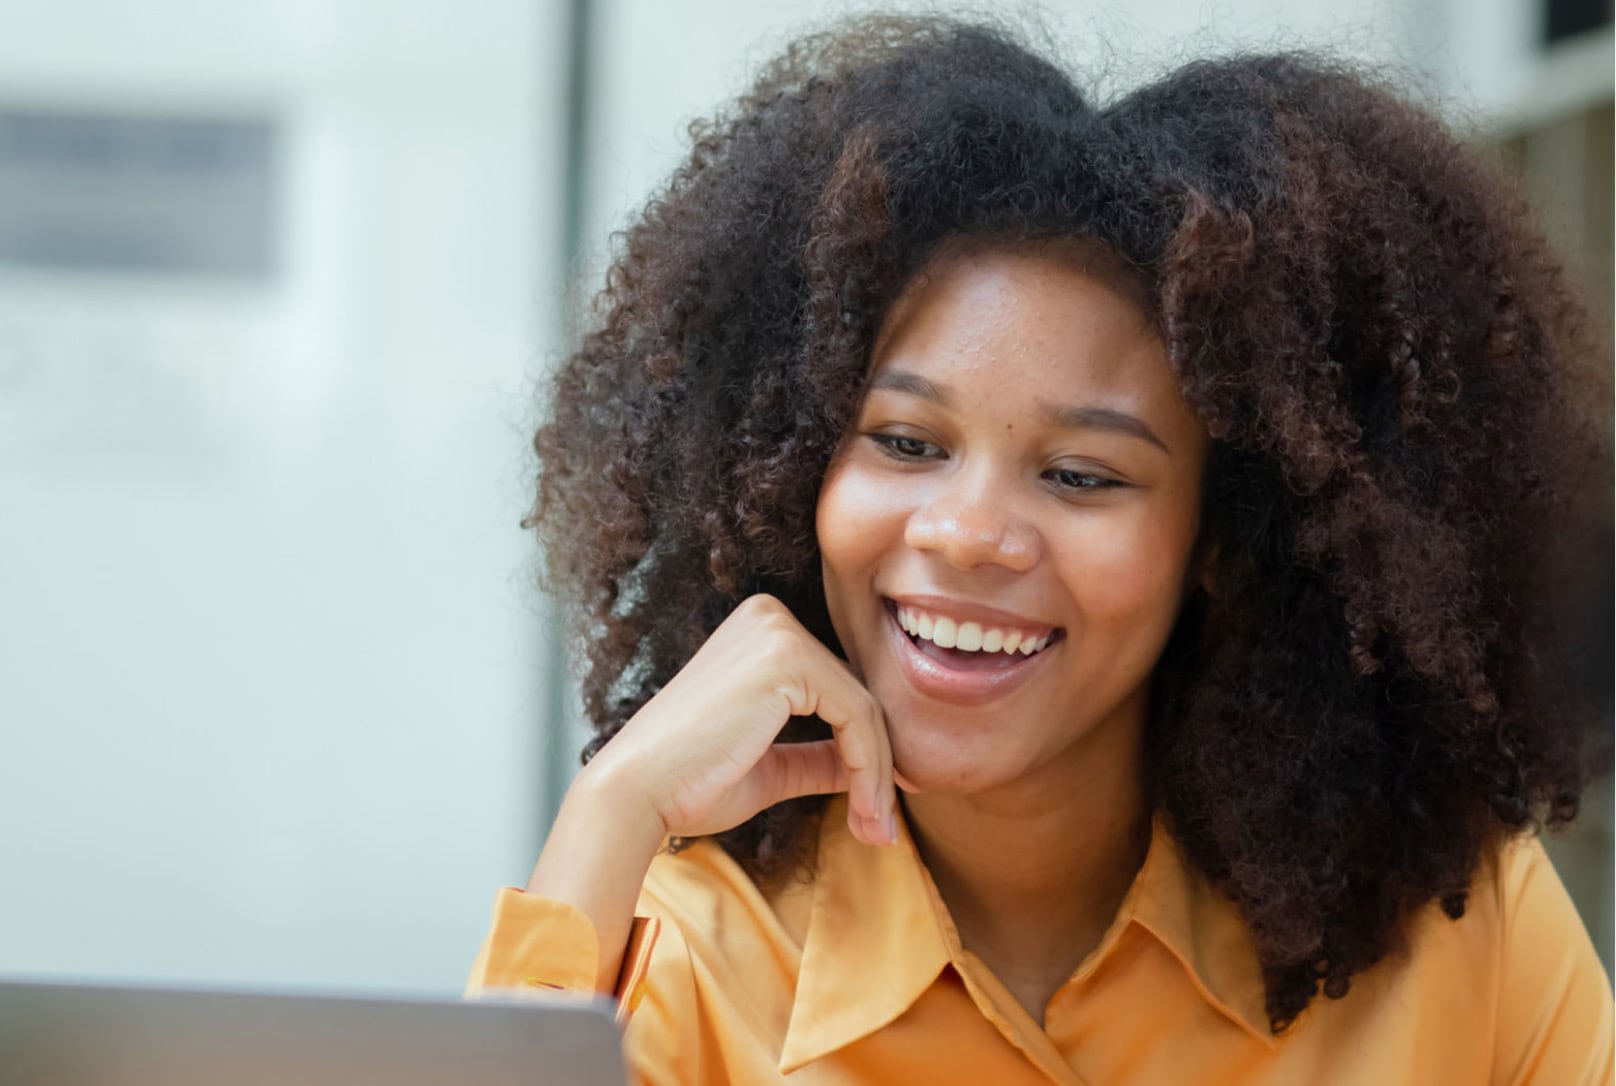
[[60, 1034]]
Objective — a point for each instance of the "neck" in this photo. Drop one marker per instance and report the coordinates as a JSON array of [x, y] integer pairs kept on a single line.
[[1033, 875]]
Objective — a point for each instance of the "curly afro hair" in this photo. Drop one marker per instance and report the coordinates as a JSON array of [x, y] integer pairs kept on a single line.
[[1374, 694]]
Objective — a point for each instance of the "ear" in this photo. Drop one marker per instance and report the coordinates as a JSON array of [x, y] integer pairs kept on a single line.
[[1202, 569]]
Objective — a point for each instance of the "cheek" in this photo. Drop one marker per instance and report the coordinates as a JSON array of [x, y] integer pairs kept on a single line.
[[1130, 568], [859, 518], [848, 525]]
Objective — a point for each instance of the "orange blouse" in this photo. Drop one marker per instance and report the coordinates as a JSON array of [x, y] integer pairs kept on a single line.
[[859, 977]]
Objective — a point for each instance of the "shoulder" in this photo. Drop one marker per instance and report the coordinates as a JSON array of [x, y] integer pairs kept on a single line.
[[1517, 908], [1518, 904], [1554, 1005], [1511, 994]]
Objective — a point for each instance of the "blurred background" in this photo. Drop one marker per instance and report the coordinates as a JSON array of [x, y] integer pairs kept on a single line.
[[278, 704]]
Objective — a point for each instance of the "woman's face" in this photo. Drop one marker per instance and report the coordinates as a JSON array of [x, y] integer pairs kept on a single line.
[[1023, 471]]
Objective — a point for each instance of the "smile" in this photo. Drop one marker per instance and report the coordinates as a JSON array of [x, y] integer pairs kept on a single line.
[[967, 636], [955, 659]]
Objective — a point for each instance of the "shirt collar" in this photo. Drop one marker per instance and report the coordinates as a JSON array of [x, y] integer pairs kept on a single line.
[[873, 943], [878, 936], [1204, 930]]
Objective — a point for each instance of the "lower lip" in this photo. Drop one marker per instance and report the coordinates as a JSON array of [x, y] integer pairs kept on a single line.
[[935, 679]]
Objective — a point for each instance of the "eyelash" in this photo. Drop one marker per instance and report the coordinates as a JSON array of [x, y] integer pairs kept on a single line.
[[893, 445]]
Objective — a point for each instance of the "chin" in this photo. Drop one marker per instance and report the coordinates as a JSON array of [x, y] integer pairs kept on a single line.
[[942, 764]]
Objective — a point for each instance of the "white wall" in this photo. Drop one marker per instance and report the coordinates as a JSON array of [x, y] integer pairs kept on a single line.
[[270, 675]]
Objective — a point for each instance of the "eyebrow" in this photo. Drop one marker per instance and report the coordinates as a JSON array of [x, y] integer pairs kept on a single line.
[[1067, 418]]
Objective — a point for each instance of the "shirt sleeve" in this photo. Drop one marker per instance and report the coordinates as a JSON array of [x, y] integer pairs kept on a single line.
[[1555, 1023], [539, 943], [535, 942]]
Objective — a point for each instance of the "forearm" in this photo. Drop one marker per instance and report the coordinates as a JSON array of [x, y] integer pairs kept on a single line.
[[595, 859]]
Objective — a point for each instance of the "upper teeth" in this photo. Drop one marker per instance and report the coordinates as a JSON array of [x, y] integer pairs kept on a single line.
[[946, 633]]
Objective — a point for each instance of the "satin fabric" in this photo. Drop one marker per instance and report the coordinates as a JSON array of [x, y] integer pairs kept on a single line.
[[858, 976]]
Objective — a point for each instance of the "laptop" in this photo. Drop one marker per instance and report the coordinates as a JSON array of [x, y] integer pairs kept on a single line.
[[83, 1035]]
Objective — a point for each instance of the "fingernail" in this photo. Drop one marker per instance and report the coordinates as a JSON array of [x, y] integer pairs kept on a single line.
[[892, 827]]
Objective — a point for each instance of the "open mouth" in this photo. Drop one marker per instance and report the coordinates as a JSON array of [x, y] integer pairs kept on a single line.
[[971, 646]]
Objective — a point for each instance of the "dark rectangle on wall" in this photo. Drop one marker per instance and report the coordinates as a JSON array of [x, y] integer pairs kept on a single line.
[[138, 194], [1567, 18]]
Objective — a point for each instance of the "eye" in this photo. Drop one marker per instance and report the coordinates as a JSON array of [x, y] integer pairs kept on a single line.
[[903, 447], [1075, 480]]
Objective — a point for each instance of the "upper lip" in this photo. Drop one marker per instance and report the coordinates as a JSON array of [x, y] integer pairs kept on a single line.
[[973, 612]]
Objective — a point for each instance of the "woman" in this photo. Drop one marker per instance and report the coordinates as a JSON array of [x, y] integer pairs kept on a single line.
[[1069, 585]]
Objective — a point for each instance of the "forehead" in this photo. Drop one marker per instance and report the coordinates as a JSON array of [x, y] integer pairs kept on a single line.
[[1023, 317]]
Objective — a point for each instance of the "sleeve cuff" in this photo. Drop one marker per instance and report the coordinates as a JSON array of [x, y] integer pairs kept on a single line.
[[537, 942], [540, 943]]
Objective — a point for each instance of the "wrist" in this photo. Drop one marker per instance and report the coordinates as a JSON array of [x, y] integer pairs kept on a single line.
[[608, 802], [596, 856]]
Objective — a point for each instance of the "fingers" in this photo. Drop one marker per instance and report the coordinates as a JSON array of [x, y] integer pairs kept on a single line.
[[830, 691], [806, 769], [703, 750], [790, 770]]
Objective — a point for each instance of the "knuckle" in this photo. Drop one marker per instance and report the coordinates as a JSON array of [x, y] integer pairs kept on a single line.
[[777, 641], [790, 690], [760, 604]]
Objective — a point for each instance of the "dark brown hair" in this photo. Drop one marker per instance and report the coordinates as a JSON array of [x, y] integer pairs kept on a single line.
[[1383, 351]]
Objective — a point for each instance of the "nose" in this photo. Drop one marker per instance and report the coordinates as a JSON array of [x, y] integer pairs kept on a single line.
[[972, 521]]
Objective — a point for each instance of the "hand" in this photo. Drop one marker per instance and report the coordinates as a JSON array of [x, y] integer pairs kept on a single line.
[[701, 754]]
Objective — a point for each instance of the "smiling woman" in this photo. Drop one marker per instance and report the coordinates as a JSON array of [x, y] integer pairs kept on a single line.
[[975, 490], [1070, 581]]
